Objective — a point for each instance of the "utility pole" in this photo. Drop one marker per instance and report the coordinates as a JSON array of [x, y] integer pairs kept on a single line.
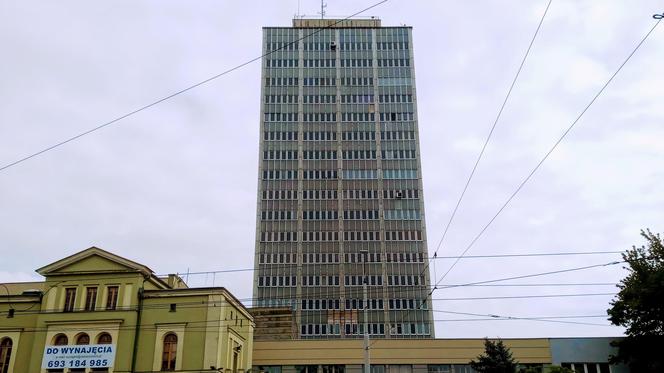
[[365, 312]]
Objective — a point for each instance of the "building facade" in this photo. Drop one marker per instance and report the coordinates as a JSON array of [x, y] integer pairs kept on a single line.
[[340, 202], [97, 301], [582, 355], [586, 354]]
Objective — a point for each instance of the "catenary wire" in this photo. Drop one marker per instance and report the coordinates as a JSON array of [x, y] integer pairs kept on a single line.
[[538, 318], [484, 282], [289, 265], [490, 256], [204, 304], [203, 325], [184, 90], [555, 145], [493, 127], [488, 138], [435, 287]]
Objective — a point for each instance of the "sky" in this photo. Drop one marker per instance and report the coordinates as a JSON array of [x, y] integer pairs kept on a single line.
[[174, 186]]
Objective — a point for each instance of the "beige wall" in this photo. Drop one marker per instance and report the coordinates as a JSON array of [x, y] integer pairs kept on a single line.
[[393, 351]]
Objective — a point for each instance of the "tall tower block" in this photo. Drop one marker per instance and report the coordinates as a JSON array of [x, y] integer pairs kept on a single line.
[[340, 183]]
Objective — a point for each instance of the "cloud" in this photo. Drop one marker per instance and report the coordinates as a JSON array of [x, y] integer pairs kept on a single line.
[[174, 187]]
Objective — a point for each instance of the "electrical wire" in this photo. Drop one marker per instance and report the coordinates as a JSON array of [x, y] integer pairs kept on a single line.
[[339, 292], [271, 266], [204, 304], [493, 127], [177, 93], [435, 287], [206, 325], [488, 138], [555, 145], [531, 318]]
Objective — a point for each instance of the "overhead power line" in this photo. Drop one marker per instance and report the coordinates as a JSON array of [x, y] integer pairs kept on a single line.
[[435, 287], [527, 255], [338, 292], [271, 266], [207, 304], [202, 325], [177, 93], [556, 319], [524, 296], [475, 283], [472, 173], [493, 127], [552, 284], [555, 145]]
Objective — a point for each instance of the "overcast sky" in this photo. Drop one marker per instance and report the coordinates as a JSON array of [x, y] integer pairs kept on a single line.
[[174, 187]]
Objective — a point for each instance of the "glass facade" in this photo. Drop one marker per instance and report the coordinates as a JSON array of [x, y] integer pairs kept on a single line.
[[340, 183]]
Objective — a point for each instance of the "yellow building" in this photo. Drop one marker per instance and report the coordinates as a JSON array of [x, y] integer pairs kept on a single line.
[[99, 312], [387, 355]]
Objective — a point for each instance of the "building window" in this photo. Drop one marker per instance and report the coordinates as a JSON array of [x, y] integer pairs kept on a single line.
[[70, 299], [5, 354], [169, 351], [445, 368], [112, 299], [587, 367], [59, 340], [378, 369], [104, 339], [269, 368], [306, 368], [463, 369], [334, 368], [81, 339], [90, 298]]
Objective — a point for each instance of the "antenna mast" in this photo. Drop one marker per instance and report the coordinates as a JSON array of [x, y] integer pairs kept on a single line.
[[322, 9]]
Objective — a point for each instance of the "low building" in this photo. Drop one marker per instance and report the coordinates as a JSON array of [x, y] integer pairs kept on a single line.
[[99, 312], [387, 355], [583, 355], [586, 354]]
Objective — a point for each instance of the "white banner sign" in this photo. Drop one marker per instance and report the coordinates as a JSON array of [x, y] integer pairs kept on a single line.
[[78, 356]]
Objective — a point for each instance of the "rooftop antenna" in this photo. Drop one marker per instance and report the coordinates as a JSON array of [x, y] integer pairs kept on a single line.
[[322, 9]]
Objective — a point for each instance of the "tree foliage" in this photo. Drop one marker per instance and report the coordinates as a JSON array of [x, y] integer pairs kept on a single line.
[[639, 307], [497, 358]]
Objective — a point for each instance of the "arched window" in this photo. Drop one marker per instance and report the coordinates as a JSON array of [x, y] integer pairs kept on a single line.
[[170, 349], [60, 340], [104, 339], [5, 354], [82, 339]]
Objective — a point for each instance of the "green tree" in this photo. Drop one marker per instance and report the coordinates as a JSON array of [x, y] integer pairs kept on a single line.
[[497, 358], [639, 307]]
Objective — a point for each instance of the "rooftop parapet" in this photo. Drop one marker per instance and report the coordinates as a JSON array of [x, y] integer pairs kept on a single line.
[[335, 23]]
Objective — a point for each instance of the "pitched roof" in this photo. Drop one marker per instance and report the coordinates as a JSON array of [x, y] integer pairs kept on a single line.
[[57, 266]]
